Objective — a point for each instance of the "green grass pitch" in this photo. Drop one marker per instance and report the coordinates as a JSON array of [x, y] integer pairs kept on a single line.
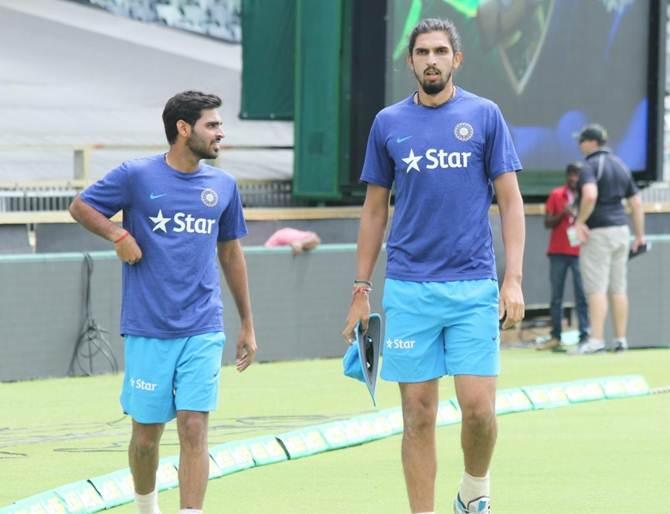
[[601, 457]]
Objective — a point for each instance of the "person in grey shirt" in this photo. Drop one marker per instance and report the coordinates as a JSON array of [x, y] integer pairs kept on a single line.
[[602, 228]]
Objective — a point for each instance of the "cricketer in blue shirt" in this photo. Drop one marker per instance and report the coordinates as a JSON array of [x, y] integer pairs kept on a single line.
[[178, 216], [445, 152]]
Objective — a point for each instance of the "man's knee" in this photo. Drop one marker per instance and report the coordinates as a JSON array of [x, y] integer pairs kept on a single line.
[[193, 430], [145, 443], [478, 414], [419, 415]]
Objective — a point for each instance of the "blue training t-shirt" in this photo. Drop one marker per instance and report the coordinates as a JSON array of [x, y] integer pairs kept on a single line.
[[443, 161], [177, 219]]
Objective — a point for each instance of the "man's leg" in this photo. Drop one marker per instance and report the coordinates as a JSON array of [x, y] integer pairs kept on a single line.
[[595, 260], [598, 314], [580, 300], [619, 314], [618, 285], [476, 397], [143, 459], [419, 459], [193, 458], [558, 268]]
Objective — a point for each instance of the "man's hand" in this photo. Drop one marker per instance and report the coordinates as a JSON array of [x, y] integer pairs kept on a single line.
[[246, 348], [128, 250], [639, 241], [358, 311], [511, 305], [582, 232]]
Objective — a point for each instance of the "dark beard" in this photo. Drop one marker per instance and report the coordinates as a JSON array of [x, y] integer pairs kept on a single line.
[[434, 88], [200, 150]]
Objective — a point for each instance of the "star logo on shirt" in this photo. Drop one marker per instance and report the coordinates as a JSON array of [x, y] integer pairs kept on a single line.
[[412, 161], [160, 222]]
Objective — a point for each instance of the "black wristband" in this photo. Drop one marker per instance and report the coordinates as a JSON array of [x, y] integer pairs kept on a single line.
[[366, 282]]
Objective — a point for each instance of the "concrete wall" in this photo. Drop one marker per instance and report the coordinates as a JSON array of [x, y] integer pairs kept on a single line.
[[299, 304], [71, 237]]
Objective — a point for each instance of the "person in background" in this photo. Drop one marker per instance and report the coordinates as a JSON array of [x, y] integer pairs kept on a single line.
[[560, 212], [602, 228], [299, 240]]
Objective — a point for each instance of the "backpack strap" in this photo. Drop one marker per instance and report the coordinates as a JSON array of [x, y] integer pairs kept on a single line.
[[601, 165]]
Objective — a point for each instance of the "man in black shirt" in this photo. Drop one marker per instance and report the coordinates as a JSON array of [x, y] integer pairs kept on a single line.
[[602, 227]]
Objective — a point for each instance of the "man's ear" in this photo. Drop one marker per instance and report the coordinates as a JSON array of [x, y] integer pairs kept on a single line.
[[183, 128], [458, 60], [410, 62]]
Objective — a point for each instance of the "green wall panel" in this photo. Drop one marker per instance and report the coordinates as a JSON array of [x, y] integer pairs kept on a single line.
[[318, 96], [268, 36]]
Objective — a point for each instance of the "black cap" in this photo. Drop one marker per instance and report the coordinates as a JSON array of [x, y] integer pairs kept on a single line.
[[593, 132]]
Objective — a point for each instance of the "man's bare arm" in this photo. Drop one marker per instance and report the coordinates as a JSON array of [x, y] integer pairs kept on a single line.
[[374, 217], [125, 245], [234, 268], [635, 202], [513, 225]]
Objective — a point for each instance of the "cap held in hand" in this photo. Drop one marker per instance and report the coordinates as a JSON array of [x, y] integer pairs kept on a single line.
[[361, 360]]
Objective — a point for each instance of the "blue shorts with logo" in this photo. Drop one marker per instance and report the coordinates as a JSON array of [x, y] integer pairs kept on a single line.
[[440, 328], [163, 376]]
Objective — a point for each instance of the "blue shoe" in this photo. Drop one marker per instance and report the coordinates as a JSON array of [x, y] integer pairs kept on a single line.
[[481, 505]]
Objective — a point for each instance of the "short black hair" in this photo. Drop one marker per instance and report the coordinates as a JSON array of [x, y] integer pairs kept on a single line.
[[593, 132], [187, 106], [573, 168], [436, 25]]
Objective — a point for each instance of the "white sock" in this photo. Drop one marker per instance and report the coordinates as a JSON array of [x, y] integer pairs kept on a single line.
[[147, 503], [623, 341], [190, 511], [474, 487]]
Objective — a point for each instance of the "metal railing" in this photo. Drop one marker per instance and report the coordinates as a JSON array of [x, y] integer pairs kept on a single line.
[[56, 195]]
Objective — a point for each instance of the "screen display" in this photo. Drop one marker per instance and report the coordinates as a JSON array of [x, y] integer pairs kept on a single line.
[[551, 65]]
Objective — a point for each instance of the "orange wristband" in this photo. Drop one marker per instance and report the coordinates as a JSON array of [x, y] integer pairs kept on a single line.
[[122, 237]]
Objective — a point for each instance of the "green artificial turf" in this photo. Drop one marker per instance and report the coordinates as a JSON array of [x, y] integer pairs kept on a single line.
[[600, 457]]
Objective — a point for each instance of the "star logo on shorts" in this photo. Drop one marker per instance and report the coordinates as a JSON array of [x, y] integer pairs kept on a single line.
[[412, 161]]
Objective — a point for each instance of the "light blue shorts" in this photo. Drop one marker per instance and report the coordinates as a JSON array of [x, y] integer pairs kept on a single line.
[[440, 328], [163, 376]]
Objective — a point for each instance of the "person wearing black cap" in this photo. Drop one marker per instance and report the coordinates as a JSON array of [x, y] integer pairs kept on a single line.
[[602, 228]]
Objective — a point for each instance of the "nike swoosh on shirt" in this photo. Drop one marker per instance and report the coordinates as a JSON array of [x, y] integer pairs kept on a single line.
[[401, 139], [153, 196]]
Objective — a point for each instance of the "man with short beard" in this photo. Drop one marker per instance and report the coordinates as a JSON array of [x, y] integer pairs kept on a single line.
[[446, 150], [178, 214]]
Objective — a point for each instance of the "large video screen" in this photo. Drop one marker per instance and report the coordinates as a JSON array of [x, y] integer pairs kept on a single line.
[[551, 65]]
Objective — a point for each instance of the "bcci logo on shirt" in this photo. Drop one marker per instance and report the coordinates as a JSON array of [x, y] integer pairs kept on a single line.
[[463, 131], [209, 197]]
